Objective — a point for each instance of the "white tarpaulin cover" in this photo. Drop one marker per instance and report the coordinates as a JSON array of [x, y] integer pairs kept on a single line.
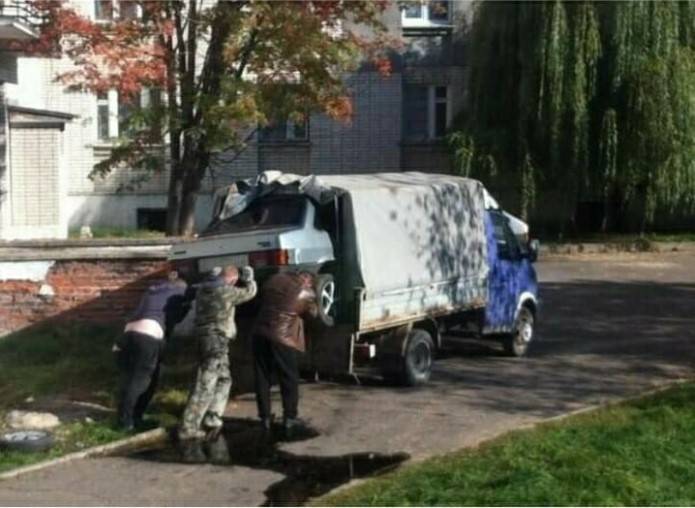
[[415, 229]]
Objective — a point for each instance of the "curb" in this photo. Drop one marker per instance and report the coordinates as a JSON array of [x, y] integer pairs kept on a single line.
[[635, 247], [145, 438], [523, 427]]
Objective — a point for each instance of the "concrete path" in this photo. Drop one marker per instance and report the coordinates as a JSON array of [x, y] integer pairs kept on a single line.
[[611, 326]]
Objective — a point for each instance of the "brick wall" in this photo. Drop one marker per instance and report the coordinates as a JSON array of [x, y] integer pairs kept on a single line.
[[74, 290]]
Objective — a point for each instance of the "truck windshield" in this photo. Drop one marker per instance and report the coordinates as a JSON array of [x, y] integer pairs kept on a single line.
[[265, 213]]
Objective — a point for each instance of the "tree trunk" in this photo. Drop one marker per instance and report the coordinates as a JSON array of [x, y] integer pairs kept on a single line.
[[195, 163], [186, 224], [174, 198]]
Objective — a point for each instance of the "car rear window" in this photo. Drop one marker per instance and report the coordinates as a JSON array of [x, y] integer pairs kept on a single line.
[[265, 213]]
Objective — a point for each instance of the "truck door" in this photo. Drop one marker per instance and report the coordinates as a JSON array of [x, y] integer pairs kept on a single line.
[[505, 260]]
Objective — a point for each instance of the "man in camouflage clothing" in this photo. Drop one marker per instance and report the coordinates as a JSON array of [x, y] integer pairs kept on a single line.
[[215, 302]]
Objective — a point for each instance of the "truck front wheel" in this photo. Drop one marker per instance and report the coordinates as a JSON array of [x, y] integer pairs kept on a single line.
[[517, 342]]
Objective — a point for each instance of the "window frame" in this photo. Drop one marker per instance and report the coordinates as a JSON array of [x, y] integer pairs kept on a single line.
[[116, 110], [116, 11], [110, 101], [431, 117], [425, 19], [289, 134], [513, 250]]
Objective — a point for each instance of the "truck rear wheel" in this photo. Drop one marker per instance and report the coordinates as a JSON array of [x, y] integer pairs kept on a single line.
[[517, 343], [415, 367]]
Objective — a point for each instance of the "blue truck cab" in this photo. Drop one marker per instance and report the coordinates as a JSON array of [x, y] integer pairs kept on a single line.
[[512, 305]]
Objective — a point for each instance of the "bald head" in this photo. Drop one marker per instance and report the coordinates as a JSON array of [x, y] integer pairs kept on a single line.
[[230, 274]]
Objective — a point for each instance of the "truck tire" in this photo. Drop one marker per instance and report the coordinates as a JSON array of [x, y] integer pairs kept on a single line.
[[326, 294], [419, 355], [26, 440], [415, 367], [516, 343]]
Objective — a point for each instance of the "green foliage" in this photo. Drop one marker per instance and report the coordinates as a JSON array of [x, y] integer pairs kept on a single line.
[[49, 360], [636, 454], [74, 361], [597, 97]]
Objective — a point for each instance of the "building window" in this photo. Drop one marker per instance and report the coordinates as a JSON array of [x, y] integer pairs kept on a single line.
[[413, 10], [128, 9], [103, 114], [426, 14], [426, 113], [152, 219], [440, 118], [285, 131], [108, 10], [103, 10], [114, 113]]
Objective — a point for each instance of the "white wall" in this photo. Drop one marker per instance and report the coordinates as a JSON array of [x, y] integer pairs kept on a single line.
[[120, 211]]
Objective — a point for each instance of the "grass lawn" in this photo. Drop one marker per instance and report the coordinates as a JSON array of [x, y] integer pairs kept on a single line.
[[638, 453], [74, 362]]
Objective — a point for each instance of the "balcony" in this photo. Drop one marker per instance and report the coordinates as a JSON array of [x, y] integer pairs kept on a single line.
[[16, 22]]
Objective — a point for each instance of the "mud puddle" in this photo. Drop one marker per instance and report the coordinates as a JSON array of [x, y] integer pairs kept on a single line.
[[242, 443]]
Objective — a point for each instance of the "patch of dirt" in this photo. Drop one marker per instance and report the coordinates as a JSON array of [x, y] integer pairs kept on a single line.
[[67, 410]]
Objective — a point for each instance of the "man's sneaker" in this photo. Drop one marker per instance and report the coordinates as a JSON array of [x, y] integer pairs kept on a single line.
[[212, 421], [125, 425], [291, 427], [267, 424]]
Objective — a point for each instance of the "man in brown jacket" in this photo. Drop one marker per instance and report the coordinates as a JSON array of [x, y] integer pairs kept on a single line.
[[286, 299]]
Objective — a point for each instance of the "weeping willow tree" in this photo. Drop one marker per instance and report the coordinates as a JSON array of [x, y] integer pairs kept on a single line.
[[573, 102]]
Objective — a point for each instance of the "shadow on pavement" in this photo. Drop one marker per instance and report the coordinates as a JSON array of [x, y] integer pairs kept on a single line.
[[243, 443], [596, 341]]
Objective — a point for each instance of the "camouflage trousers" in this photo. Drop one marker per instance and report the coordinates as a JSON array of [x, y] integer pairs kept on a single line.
[[208, 400]]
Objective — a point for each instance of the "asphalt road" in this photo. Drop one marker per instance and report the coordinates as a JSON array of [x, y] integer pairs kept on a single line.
[[610, 326]]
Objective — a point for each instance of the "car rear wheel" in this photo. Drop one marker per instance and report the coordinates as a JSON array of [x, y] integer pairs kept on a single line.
[[326, 293]]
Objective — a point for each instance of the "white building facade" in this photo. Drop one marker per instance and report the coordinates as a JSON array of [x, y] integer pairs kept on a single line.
[[399, 123]]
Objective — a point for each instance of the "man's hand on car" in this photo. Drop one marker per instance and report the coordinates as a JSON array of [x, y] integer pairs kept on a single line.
[[246, 274]]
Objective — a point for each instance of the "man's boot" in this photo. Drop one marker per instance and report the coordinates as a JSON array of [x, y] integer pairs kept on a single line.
[[186, 434], [292, 427], [267, 424], [192, 451]]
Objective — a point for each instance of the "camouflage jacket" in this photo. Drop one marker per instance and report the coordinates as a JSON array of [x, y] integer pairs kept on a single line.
[[214, 306]]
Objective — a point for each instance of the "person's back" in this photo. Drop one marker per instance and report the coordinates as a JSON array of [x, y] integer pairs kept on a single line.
[[164, 302], [215, 306], [286, 298]]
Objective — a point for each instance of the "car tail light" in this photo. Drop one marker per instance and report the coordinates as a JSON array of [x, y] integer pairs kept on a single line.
[[276, 257]]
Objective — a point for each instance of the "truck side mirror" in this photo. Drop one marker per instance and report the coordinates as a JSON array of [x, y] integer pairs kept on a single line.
[[533, 248]]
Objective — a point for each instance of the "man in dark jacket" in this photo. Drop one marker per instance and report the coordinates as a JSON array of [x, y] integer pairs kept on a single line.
[[139, 348], [278, 335]]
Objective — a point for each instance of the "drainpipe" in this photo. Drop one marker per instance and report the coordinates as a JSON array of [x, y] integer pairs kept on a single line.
[[4, 181]]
